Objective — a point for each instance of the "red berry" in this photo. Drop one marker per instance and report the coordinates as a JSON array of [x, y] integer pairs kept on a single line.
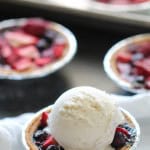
[[44, 118], [58, 50], [22, 64], [35, 26], [42, 61], [17, 39], [50, 141], [122, 130], [124, 56]]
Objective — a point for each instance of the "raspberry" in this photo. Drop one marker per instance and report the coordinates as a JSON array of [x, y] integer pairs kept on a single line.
[[49, 141], [44, 118], [35, 26]]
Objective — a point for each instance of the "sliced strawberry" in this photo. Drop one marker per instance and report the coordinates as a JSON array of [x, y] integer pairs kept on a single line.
[[17, 39], [124, 56], [147, 83], [44, 118], [58, 50], [35, 26], [11, 59], [50, 141], [27, 51], [6, 51], [22, 64], [43, 61]]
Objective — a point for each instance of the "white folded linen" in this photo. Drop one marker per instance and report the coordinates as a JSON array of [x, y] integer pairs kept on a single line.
[[10, 132]]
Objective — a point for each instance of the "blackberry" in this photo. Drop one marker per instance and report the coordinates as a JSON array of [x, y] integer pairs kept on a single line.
[[120, 140], [40, 136]]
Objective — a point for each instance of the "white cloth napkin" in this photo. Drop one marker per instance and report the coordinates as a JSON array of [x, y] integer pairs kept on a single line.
[[10, 132]]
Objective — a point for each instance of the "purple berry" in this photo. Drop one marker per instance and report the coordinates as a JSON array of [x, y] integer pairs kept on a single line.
[[40, 136], [120, 140]]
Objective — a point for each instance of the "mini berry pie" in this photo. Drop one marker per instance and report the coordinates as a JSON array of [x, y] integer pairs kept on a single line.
[[133, 64], [122, 2], [37, 134], [40, 139], [128, 63], [29, 45]]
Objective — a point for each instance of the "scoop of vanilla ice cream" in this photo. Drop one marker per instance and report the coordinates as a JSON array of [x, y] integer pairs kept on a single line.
[[84, 118]]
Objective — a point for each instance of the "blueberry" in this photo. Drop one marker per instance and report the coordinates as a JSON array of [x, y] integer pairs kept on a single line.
[[43, 44], [137, 56], [40, 135], [52, 147], [50, 36]]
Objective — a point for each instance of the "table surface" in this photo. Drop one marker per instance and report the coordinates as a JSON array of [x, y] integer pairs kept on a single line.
[[85, 69]]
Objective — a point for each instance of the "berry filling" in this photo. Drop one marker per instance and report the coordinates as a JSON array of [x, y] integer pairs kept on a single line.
[[122, 2], [124, 136], [31, 45], [133, 64]]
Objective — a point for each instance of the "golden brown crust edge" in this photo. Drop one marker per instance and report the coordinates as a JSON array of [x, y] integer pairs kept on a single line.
[[30, 130], [35, 123]]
